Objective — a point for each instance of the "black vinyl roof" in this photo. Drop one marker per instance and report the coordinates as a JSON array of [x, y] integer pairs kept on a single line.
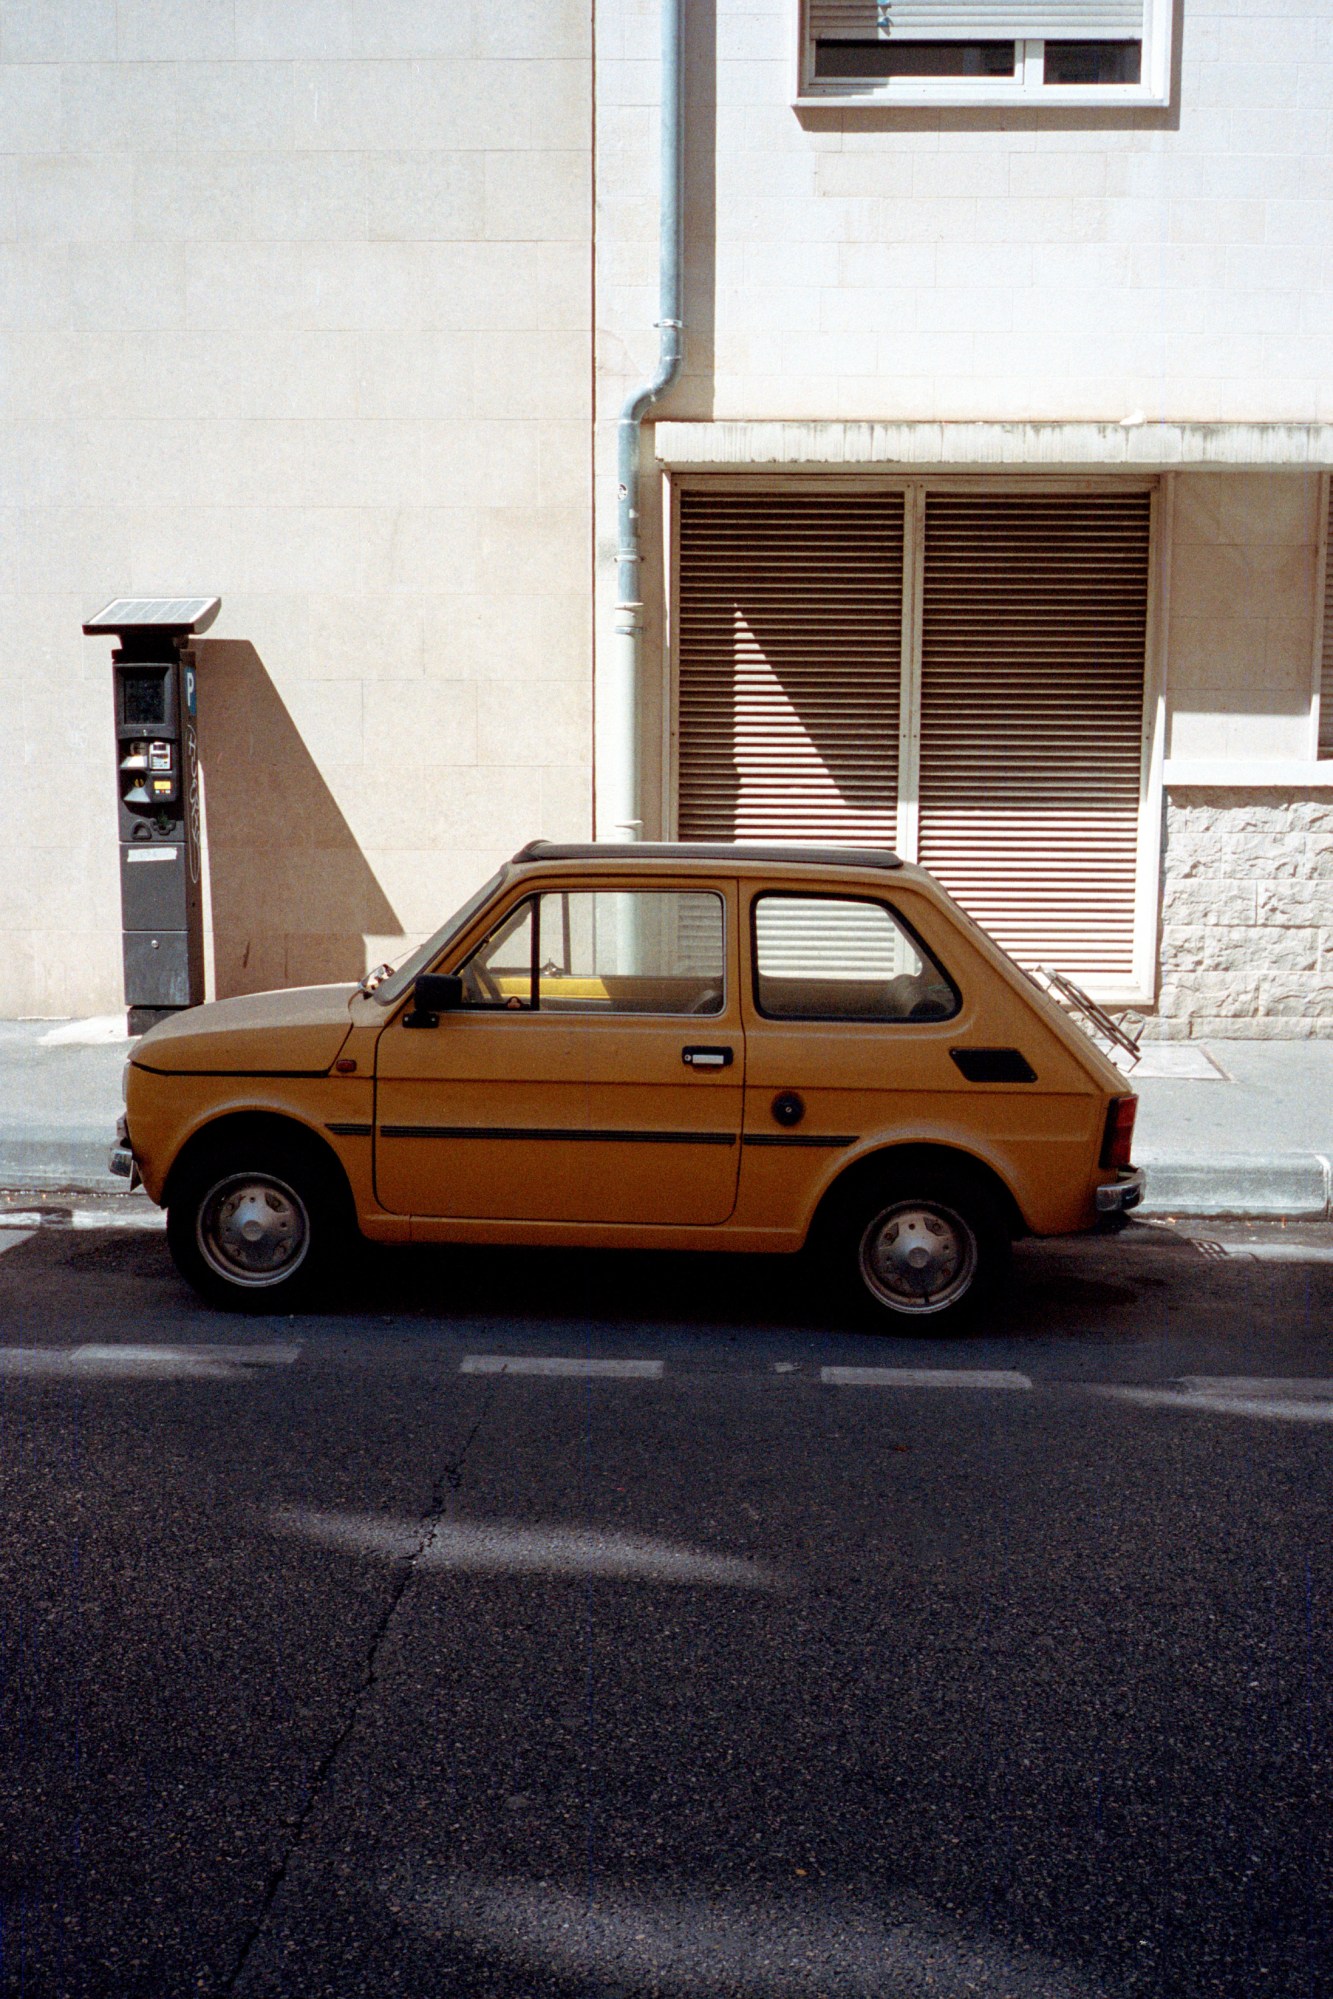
[[703, 850]]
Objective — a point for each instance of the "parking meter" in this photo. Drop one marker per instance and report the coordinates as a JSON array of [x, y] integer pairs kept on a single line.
[[157, 770]]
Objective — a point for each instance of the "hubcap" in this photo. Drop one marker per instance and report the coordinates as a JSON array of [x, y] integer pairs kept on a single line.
[[918, 1256], [253, 1229]]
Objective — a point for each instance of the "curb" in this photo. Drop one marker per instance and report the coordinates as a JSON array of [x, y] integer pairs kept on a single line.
[[73, 1165], [1298, 1185]]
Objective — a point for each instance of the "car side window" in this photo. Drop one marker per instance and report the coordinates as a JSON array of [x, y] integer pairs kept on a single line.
[[631, 951], [649, 951], [499, 972], [820, 957]]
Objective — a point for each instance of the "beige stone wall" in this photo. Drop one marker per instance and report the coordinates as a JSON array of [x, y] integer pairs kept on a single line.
[[295, 307], [1247, 916], [969, 263], [1240, 665], [1005, 264]]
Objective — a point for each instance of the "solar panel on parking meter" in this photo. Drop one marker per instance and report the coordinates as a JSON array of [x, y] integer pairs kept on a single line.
[[157, 760]]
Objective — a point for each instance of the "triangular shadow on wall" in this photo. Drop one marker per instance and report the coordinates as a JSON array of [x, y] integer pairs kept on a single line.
[[293, 896]]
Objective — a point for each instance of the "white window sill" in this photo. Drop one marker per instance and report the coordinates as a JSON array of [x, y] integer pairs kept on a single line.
[[985, 96], [1249, 773]]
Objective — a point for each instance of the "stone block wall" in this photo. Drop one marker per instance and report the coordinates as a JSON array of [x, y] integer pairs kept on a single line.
[[1247, 916]]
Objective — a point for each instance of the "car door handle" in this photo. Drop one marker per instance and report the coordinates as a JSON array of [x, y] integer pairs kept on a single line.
[[706, 1058]]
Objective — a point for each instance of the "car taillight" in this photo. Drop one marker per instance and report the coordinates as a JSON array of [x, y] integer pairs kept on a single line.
[[1118, 1140]]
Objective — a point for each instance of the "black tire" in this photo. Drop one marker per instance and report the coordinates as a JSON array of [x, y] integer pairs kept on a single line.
[[917, 1249], [259, 1224]]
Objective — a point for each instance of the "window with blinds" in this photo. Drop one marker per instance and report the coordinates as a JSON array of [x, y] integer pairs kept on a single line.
[[1021, 686], [1033, 635], [999, 50], [790, 651]]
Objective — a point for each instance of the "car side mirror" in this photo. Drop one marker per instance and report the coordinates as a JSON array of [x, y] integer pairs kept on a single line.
[[433, 993]]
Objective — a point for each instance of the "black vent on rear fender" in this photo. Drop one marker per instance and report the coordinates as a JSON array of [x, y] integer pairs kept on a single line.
[[994, 1065]]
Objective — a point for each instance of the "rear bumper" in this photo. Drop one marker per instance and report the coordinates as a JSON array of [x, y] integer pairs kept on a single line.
[[1118, 1196]]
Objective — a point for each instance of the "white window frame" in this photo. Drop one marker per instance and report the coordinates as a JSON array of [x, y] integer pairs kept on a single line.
[[1320, 591], [1026, 86], [1140, 989]]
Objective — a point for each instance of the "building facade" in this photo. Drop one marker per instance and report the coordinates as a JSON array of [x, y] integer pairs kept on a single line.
[[988, 516]]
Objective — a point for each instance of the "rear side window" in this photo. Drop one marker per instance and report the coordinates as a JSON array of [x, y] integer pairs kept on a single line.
[[820, 957]]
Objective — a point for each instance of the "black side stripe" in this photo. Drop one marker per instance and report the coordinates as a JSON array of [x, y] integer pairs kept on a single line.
[[350, 1130], [834, 1142], [557, 1132]]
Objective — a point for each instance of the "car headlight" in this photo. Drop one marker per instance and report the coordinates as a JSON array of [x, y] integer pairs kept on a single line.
[[125, 1083]]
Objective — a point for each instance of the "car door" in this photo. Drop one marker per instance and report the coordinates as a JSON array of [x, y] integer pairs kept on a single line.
[[594, 1073], [848, 1032]]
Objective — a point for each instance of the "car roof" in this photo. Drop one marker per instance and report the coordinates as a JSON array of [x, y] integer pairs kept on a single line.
[[690, 852]]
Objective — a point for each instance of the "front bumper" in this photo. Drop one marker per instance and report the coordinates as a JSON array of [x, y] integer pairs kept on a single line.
[[122, 1162], [1118, 1196]]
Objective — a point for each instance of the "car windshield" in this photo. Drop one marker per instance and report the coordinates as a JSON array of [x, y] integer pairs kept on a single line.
[[397, 983]]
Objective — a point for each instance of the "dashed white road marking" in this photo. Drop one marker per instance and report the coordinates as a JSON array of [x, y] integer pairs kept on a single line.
[[14, 1238], [277, 1353], [143, 1363], [924, 1377], [575, 1365]]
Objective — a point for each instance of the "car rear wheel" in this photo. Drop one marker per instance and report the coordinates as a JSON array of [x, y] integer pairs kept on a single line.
[[258, 1225], [917, 1250]]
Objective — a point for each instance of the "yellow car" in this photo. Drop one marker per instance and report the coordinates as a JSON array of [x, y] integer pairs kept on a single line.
[[664, 1047]]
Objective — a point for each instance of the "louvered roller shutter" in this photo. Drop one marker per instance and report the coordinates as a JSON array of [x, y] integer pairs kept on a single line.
[[1033, 643], [1326, 659], [969, 20], [789, 648]]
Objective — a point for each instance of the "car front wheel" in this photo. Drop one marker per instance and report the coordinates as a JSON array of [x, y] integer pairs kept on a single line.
[[257, 1226]]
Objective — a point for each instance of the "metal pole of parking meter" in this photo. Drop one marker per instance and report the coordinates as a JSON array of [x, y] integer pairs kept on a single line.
[[157, 768]]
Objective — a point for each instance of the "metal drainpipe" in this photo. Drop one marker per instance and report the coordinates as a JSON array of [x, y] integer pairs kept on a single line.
[[621, 818]]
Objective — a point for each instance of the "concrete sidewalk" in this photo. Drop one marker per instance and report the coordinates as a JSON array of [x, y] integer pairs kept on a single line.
[[1255, 1138], [1226, 1127]]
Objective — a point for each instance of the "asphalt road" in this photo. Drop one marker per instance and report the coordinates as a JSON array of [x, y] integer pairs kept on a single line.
[[335, 1661]]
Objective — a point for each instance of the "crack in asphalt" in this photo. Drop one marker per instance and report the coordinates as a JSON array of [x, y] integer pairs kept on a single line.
[[447, 1482]]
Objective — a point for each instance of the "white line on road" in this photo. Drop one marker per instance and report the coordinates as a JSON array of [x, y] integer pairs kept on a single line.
[[141, 1363], [14, 1238], [498, 1363], [275, 1354], [923, 1377]]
